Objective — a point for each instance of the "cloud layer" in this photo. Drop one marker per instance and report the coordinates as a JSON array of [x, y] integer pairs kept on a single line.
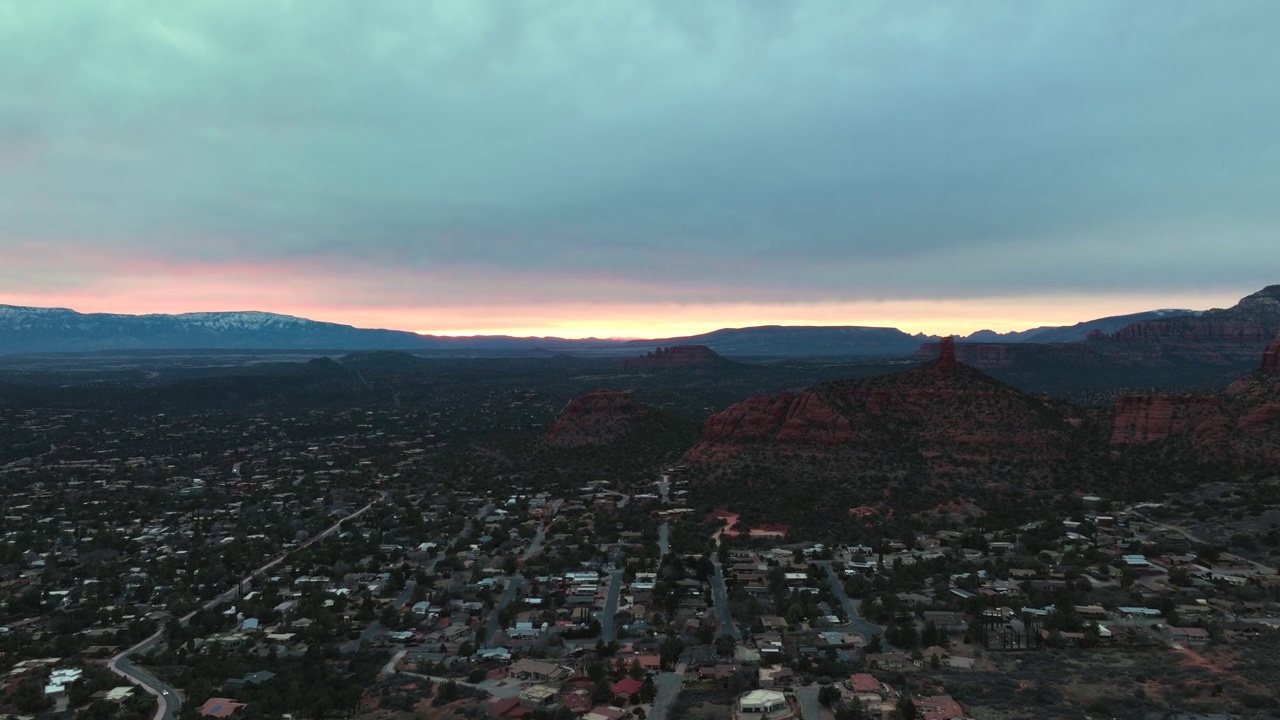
[[493, 154]]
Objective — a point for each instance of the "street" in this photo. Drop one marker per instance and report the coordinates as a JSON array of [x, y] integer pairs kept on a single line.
[[607, 630], [167, 699], [810, 709], [668, 686], [720, 596], [856, 623], [513, 587]]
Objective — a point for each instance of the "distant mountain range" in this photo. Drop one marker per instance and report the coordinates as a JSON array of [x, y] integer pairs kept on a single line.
[[45, 330], [1077, 332]]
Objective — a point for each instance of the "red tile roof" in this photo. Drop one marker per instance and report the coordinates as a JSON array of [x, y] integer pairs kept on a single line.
[[864, 683], [627, 686]]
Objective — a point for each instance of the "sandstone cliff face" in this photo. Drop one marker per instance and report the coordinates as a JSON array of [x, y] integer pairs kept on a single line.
[[1219, 335], [1271, 358], [678, 356], [1224, 337], [990, 356], [944, 419], [1242, 425], [597, 418], [1196, 329], [1152, 418]]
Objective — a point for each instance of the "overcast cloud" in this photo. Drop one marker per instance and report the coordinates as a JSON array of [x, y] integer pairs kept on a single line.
[[527, 152]]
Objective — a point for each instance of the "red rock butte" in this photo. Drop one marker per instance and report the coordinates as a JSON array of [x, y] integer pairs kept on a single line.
[[676, 356], [947, 354], [597, 418]]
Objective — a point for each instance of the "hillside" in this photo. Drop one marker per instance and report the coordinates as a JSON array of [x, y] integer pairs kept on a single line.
[[801, 341], [1241, 426], [942, 435], [1200, 353], [1077, 332]]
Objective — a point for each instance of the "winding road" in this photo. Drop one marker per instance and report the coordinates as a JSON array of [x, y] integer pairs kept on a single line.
[[167, 698]]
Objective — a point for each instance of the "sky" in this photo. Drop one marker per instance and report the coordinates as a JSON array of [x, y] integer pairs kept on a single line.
[[639, 169]]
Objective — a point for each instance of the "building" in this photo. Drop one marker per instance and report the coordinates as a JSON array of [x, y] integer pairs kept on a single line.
[[539, 671], [864, 683], [763, 704], [219, 707], [1186, 634], [538, 696], [938, 707], [627, 687]]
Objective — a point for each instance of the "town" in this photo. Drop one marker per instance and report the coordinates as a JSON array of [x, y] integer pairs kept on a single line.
[[347, 564]]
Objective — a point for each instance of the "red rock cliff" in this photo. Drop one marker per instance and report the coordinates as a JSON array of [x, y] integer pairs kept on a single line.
[[950, 418], [1243, 424], [1271, 358], [1150, 418], [597, 418]]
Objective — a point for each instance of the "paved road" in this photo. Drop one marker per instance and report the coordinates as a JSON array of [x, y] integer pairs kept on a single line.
[[720, 596], [513, 587], [668, 687], [664, 542], [1259, 568], [810, 708], [540, 537], [407, 594], [375, 628], [535, 545], [463, 534], [607, 629], [167, 698], [850, 606]]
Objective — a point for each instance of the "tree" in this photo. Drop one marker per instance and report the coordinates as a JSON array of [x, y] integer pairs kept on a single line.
[[669, 651], [601, 692], [30, 697], [850, 711], [446, 693], [828, 695], [725, 645], [877, 645], [906, 709]]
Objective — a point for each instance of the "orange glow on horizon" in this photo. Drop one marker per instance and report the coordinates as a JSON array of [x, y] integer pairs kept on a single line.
[[395, 303], [437, 304]]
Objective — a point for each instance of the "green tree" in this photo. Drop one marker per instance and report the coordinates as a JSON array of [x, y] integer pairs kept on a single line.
[[850, 711], [601, 692]]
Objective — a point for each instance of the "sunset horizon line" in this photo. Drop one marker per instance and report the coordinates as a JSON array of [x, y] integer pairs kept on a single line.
[[628, 321]]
